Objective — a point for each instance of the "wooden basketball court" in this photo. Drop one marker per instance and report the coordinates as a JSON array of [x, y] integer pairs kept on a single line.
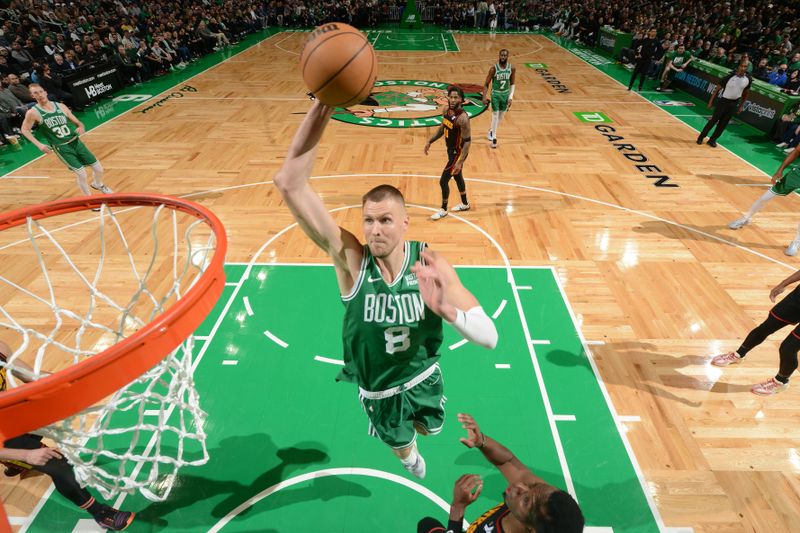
[[657, 282]]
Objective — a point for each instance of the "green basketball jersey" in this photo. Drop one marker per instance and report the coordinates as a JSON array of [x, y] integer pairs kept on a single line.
[[501, 83], [56, 128], [679, 59], [388, 334]]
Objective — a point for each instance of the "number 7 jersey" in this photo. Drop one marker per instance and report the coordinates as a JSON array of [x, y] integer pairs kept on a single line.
[[388, 334]]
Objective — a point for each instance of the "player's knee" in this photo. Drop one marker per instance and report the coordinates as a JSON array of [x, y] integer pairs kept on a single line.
[[788, 350], [421, 429]]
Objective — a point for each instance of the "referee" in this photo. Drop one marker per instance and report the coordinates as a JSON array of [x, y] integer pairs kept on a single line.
[[643, 56], [733, 90]]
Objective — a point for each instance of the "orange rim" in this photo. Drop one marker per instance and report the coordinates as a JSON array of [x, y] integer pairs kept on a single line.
[[37, 404]]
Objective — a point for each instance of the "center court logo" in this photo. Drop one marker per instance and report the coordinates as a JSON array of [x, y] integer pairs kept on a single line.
[[408, 104]]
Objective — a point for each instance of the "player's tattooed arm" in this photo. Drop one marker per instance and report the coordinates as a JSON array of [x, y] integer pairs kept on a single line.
[[486, 85], [436, 136], [466, 135]]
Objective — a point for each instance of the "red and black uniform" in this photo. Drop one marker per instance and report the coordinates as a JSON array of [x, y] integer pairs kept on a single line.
[[454, 140], [488, 521], [784, 313], [58, 469], [452, 136]]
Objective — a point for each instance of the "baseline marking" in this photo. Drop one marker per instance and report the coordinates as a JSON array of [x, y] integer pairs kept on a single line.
[[499, 309], [458, 344], [565, 418], [275, 339], [328, 360], [369, 472]]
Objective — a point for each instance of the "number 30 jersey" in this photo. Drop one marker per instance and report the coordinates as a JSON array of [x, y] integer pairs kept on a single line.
[[388, 335], [56, 128]]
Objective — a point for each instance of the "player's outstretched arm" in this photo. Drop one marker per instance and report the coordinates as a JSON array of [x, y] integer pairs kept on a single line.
[[443, 293], [513, 86], [31, 118], [292, 180], [486, 83], [497, 454]]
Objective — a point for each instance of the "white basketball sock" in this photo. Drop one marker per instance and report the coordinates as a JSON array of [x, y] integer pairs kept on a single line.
[[760, 203], [82, 185], [97, 178], [412, 457], [495, 122]]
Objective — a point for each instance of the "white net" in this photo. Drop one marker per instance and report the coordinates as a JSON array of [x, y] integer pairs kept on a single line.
[[70, 290]]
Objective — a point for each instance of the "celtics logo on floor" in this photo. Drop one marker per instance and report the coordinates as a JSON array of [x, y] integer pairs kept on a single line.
[[408, 104]]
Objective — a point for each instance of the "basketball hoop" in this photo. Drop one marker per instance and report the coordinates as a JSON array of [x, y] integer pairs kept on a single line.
[[130, 361]]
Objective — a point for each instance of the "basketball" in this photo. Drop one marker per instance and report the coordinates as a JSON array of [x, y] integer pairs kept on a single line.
[[338, 65]]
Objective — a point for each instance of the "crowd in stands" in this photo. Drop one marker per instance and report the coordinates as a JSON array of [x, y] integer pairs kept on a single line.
[[43, 41], [763, 33]]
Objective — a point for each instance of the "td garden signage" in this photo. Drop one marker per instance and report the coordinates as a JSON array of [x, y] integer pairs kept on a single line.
[[408, 104]]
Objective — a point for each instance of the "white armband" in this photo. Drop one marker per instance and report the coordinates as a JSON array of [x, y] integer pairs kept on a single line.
[[475, 326], [511, 94]]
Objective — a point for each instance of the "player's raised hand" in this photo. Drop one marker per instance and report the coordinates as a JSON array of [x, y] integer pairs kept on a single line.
[[466, 490], [41, 456], [475, 438], [432, 287]]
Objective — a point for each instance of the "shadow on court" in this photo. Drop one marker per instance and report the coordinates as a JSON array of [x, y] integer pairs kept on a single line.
[[637, 356], [234, 461], [672, 231]]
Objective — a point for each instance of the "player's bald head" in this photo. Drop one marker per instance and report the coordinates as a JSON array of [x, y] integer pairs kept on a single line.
[[383, 192]]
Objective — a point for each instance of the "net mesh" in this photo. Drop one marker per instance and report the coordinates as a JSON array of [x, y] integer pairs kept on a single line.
[[69, 292]]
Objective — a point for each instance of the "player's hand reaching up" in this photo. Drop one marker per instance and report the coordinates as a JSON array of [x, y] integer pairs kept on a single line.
[[433, 287], [41, 456], [466, 490], [475, 438]]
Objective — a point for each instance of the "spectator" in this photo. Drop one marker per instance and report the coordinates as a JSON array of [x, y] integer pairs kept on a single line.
[[20, 91], [132, 70], [792, 85], [21, 57], [778, 75], [761, 72]]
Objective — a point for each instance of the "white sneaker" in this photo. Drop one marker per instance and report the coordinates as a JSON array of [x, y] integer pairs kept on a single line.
[[768, 388], [791, 250], [739, 223], [418, 468], [105, 189], [441, 213], [782, 145], [725, 359], [789, 150], [490, 135], [461, 207]]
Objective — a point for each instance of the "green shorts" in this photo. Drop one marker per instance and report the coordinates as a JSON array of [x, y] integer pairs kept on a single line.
[[789, 183], [392, 419], [499, 101], [74, 154]]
